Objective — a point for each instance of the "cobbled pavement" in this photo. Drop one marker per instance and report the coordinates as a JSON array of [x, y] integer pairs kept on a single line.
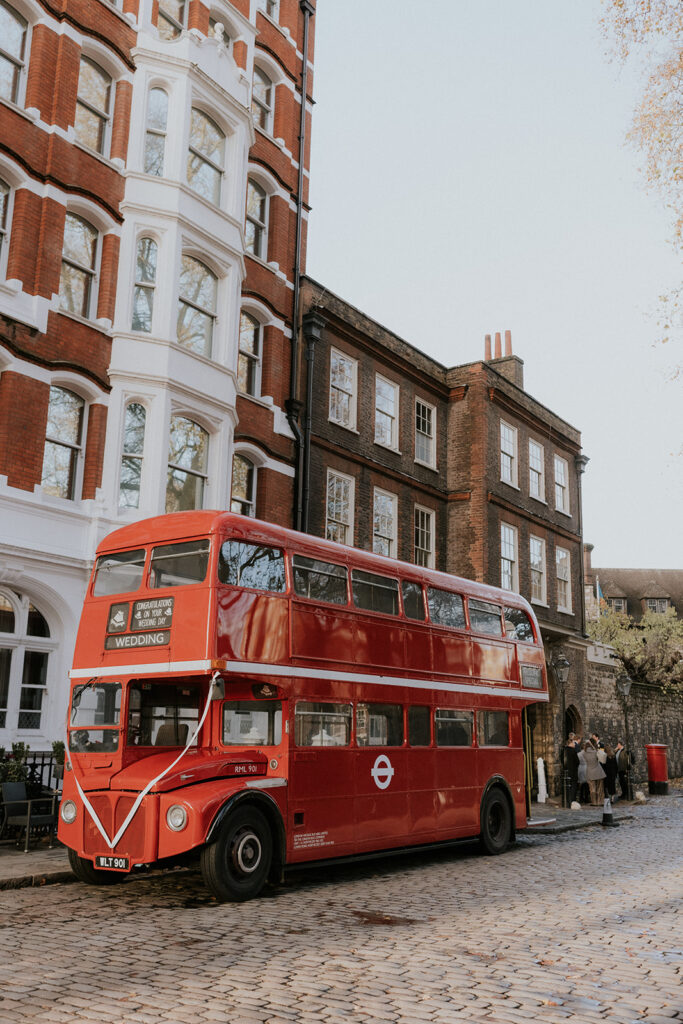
[[582, 927]]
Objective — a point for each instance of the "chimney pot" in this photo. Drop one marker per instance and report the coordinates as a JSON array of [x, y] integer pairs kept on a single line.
[[508, 343], [487, 348], [497, 352]]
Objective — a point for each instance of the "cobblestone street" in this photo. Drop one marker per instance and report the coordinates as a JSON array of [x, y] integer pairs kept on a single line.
[[584, 926]]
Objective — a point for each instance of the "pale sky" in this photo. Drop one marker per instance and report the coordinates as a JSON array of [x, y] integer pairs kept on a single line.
[[470, 175]]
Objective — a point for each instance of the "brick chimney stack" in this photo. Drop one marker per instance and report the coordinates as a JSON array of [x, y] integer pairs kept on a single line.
[[487, 348], [508, 343], [497, 352]]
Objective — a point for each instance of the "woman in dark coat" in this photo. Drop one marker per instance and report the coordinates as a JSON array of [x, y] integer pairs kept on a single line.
[[610, 769], [594, 774]]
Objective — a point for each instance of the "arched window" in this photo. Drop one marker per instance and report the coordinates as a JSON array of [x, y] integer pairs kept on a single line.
[[62, 443], [249, 362], [206, 157], [4, 216], [145, 282], [23, 664], [243, 488], [262, 100], [93, 106], [256, 227], [13, 31], [196, 306], [155, 133], [133, 451], [188, 453], [172, 18], [79, 264]]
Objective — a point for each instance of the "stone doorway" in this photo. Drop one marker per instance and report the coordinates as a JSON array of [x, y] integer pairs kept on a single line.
[[572, 722]]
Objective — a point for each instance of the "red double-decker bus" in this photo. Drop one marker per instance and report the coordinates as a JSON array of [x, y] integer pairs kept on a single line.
[[265, 698]]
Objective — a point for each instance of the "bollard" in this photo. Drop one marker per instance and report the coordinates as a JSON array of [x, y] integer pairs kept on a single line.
[[542, 790], [607, 816]]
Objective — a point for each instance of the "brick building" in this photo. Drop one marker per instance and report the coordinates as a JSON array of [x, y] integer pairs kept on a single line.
[[153, 207]]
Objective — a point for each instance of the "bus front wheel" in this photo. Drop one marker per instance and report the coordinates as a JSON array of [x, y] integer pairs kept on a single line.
[[85, 871], [235, 867], [496, 823]]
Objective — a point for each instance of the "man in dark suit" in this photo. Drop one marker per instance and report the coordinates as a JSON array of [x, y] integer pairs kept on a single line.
[[623, 767]]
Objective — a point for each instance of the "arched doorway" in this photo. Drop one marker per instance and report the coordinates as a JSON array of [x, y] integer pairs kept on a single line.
[[572, 722]]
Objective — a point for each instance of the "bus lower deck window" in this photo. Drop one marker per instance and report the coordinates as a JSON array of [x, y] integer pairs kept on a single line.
[[379, 725], [161, 714], [419, 733], [94, 718], [319, 724], [493, 729], [252, 723], [453, 728]]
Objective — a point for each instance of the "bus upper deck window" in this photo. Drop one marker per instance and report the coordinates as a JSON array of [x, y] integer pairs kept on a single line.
[[374, 593], [321, 581], [518, 625], [251, 565], [485, 618], [446, 608], [118, 573], [413, 602], [176, 565]]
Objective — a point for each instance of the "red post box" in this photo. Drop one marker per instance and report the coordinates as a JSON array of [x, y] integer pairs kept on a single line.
[[657, 771]]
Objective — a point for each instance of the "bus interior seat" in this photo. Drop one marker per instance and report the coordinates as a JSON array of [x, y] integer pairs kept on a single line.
[[171, 735]]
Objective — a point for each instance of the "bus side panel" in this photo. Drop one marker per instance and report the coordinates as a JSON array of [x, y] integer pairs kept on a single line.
[[321, 799], [378, 642], [422, 796], [493, 660], [322, 634], [252, 626], [457, 791], [383, 779], [451, 653]]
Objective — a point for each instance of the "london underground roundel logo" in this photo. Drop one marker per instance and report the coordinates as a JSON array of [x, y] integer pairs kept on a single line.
[[382, 771]]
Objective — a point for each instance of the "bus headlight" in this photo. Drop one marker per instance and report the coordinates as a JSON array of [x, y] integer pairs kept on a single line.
[[176, 818], [68, 812]]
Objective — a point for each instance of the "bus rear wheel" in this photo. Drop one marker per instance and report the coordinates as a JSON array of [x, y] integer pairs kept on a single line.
[[235, 867], [496, 823], [85, 871]]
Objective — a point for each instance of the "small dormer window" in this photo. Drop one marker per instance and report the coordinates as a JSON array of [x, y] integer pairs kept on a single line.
[[658, 605]]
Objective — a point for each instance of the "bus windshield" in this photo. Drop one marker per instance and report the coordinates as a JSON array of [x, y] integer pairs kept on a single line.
[[162, 714], [95, 717]]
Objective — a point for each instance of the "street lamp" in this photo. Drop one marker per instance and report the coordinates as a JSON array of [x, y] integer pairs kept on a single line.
[[561, 668], [624, 684]]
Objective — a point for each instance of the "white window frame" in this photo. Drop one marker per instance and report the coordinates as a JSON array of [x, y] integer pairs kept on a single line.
[[418, 528], [353, 393], [139, 456], [509, 450], [561, 484], [21, 63], [5, 228], [271, 8], [260, 251], [392, 418], [19, 643], [392, 536], [509, 558], [92, 272], [344, 478], [565, 578], [267, 109], [250, 500], [180, 26], [431, 464], [107, 116], [540, 568], [255, 361], [152, 131], [77, 449], [661, 604], [536, 471]]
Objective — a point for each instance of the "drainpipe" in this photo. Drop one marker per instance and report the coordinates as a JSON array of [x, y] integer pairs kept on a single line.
[[312, 326], [292, 404], [581, 461]]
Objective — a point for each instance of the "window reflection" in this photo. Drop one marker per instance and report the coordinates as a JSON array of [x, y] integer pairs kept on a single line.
[[13, 29], [92, 106], [196, 306], [262, 99], [243, 490], [155, 135], [250, 354], [255, 231], [205, 159], [133, 449], [63, 442], [79, 255], [187, 462], [145, 279]]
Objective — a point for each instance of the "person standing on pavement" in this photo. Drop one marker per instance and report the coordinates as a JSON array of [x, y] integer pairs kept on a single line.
[[571, 761], [584, 794], [595, 776], [623, 758], [610, 769]]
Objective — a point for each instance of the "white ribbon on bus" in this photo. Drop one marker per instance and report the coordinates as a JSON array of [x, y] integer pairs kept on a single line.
[[111, 843]]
